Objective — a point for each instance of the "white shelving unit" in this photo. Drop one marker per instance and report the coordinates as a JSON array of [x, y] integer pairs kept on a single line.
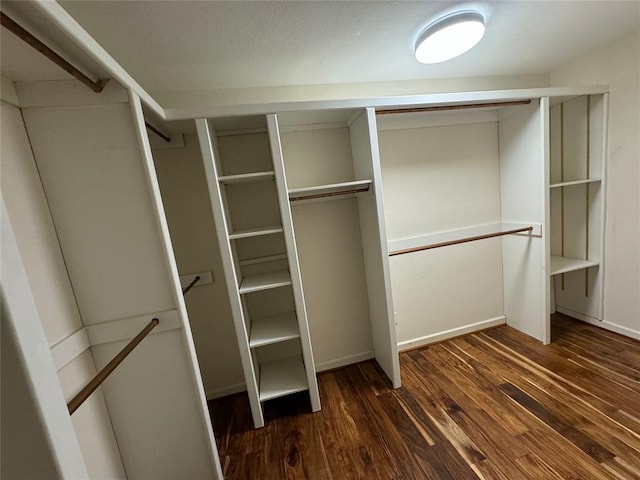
[[577, 173], [260, 262]]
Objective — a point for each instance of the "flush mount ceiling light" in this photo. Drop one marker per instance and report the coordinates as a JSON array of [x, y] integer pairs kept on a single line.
[[449, 36]]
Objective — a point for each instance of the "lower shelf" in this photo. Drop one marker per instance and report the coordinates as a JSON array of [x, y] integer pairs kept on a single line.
[[282, 377], [568, 264], [268, 330]]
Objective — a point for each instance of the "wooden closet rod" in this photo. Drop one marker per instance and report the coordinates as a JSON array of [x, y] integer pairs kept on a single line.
[[330, 194], [26, 37], [186, 289], [461, 240], [158, 132], [453, 107], [109, 367]]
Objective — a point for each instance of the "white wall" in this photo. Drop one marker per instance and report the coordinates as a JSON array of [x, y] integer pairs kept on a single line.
[[33, 226], [186, 202], [618, 65], [436, 179]]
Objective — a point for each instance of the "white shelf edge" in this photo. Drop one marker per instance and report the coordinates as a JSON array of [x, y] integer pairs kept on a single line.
[[246, 177], [274, 329], [333, 188], [282, 377], [264, 281], [255, 232], [575, 182], [269, 258], [560, 265]]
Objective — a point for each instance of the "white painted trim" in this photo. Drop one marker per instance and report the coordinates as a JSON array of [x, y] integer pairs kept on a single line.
[[226, 391], [452, 235], [69, 348], [379, 102], [344, 361], [613, 327], [172, 270], [454, 332], [127, 328], [66, 23]]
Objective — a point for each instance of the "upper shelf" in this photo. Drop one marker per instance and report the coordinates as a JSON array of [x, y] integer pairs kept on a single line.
[[332, 190], [575, 182], [265, 281], [247, 177], [255, 232], [568, 264]]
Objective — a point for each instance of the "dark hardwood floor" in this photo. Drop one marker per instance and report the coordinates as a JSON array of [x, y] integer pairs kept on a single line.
[[494, 405]]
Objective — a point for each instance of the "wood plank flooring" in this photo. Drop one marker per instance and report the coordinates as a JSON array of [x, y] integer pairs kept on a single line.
[[491, 405]]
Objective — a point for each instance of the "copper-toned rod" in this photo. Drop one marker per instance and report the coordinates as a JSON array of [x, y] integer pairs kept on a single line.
[[462, 240], [163, 136], [330, 194], [452, 107], [28, 38], [109, 367], [190, 286]]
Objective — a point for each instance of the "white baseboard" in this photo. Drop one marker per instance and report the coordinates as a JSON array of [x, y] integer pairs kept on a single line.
[[343, 361], [613, 327], [454, 332], [223, 392]]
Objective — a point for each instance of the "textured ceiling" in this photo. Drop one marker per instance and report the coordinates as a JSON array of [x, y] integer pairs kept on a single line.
[[202, 45]]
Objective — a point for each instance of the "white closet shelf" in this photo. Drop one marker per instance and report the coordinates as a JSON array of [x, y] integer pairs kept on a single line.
[[278, 328], [282, 377], [269, 258], [247, 177], [346, 188], [568, 264], [575, 182], [255, 232], [265, 281]]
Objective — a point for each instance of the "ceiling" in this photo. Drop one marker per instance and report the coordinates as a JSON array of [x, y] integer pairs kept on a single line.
[[203, 45], [184, 45]]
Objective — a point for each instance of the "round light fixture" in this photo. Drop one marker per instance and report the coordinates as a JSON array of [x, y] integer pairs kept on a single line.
[[449, 36]]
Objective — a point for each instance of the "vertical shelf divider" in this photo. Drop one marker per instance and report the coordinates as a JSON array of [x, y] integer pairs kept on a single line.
[[294, 267]]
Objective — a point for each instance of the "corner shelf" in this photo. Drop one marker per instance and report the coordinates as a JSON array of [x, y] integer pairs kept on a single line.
[[247, 177], [268, 330], [282, 377], [575, 182], [334, 189], [264, 281], [255, 232], [568, 264]]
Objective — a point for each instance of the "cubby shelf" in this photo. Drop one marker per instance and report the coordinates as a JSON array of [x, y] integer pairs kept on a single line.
[[575, 182], [255, 232], [247, 177], [257, 260], [334, 189], [278, 328], [282, 377], [265, 281], [568, 264]]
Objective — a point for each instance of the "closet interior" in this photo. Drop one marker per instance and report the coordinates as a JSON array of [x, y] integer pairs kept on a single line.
[[576, 191]]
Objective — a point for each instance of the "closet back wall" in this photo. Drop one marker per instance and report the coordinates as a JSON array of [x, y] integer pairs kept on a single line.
[[186, 202], [440, 173]]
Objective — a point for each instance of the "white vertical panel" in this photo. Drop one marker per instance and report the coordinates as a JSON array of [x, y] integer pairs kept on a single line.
[[294, 266], [194, 420], [222, 230], [50, 442], [366, 163], [95, 183], [524, 151]]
